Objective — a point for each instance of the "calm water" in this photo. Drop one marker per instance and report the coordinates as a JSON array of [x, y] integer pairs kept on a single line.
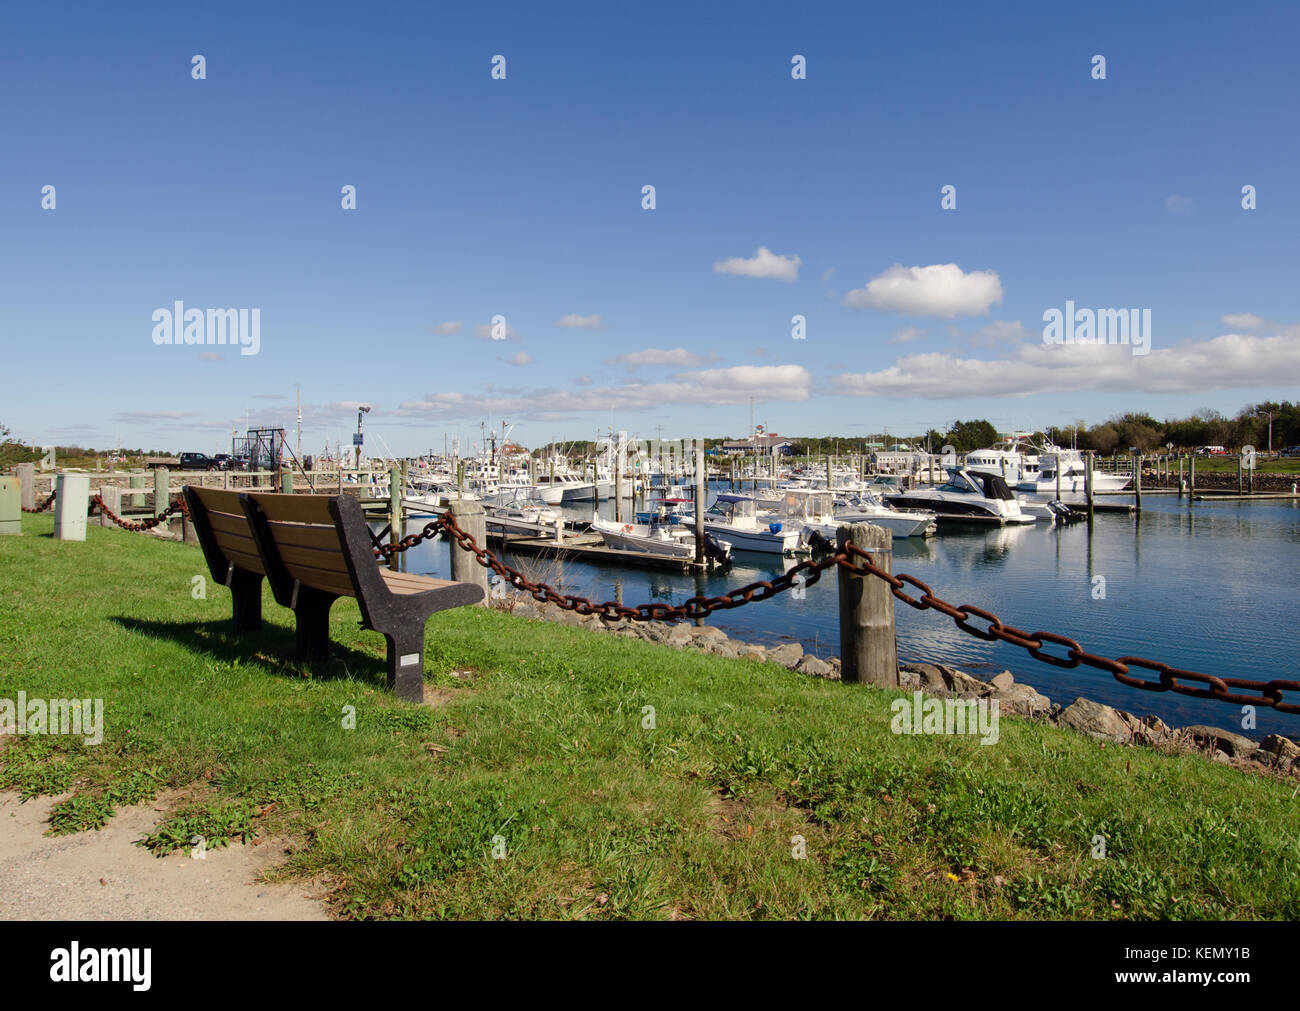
[[1210, 588]]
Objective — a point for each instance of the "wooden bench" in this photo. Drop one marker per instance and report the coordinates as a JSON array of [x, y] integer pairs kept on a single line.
[[313, 549], [230, 551]]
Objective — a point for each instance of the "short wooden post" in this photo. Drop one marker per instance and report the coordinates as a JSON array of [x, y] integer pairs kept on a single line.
[[27, 480], [1181, 458], [470, 517], [72, 498], [1191, 478], [868, 647], [188, 534], [11, 511], [137, 481], [160, 489], [1137, 481], [395, 531], [111, 496]]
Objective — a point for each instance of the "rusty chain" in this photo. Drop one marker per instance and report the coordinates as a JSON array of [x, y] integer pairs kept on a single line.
[[860, 563], [137, 526], [43, 506]]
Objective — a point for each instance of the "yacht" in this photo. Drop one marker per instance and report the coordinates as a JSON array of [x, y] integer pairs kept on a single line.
[[1072, 468], [660, 534], [1011, 464], [967, 496]]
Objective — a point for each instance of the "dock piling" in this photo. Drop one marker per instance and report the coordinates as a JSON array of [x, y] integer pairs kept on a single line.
[[868, 647]]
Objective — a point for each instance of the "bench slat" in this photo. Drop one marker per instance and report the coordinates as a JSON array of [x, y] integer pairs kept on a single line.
[[322, 579], [300, 535], [296, 508], [315, 558]]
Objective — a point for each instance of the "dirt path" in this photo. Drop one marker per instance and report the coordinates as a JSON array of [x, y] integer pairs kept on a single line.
[[104, 876]]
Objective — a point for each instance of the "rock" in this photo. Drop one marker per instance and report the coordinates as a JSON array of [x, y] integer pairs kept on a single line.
[[680, 636], [752, 651], [1232, 745], [959, 681], [812, 665], [930, 676], [526, 609], [1022, 699], [723, 647], [653, 631], [787, 654], [1150, 730], [908, 679], [1001, 682], [571, 618], [708, 632], [1277, 752], [1221, 757], [1096, 720]]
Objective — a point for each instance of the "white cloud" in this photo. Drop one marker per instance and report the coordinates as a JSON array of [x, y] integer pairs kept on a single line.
[[764, 263], [733, 385], [906, 335], [1242, 321], [448, 329], [659, 356], [591, 322], [1176, 204], [941, 289], [1233, 360], [826, 275], [521, 358]]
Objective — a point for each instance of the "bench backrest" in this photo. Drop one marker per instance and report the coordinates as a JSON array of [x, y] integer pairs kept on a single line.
[[304, 543], [223, 531]]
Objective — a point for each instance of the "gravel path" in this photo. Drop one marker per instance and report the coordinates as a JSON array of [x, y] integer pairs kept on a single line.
[[104, 876]]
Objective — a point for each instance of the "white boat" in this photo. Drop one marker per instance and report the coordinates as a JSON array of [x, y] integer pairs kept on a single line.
[[1014, 463], [735, 520], [968, 496], [1072, 467], [671, 540], [520, 511], [868, 508]]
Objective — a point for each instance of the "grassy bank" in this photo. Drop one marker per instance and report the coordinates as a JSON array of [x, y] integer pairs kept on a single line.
[[536, 736]]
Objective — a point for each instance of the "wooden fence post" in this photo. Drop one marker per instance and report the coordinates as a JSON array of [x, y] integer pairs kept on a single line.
[[27, 476], [160, 490], [868, 647], [111, 496], [470, 517], [71, 500]]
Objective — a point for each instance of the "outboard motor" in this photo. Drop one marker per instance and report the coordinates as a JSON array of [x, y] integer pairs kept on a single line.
[[715, 550]]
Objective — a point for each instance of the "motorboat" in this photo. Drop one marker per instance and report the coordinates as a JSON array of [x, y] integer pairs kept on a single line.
[[519, 511], [868, 508], [969, 496], [735, 520], [660, 535]]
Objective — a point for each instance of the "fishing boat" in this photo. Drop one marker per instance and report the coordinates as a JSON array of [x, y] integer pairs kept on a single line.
[[660, 536], [735, 520], [869, 508]]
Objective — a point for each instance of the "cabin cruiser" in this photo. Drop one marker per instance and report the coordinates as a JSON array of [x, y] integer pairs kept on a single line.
[[735, 520], [426, 495], [967, 496], [1009, 464]]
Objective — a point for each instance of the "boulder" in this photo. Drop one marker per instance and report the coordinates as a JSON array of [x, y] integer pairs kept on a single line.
[[571, 618], [708, 632], [752, 651], [1003, 681], [653, 631], [908, 679], [1021, 699], [809, 664], [930, 676], [961, 682], [1232, 745], [526, 609], [1149, 729], [1096, 720], [787, 654], [680, 636], [722, 647], [1277, 752]]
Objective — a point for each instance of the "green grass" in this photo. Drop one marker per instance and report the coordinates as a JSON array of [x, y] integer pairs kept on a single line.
[[540, 750]]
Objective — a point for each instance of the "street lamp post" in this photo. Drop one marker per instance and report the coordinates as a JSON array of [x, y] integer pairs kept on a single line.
[[363, 410]]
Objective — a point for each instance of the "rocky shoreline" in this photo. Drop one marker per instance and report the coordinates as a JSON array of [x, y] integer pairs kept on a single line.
[[1276, 754]]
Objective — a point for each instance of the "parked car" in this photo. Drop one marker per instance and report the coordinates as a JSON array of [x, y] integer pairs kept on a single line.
[[223, 461], [198, 461]]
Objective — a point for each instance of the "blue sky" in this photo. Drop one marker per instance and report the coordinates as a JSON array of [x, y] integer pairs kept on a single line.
[[523, 197]]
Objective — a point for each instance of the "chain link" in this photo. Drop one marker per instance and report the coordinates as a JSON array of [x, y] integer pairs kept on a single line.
[[137, 526]]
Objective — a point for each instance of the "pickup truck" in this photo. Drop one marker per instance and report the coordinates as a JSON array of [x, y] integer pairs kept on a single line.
[[198, 461]]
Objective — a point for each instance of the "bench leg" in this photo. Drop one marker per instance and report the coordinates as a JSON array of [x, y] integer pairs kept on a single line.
[[313, 613], [406, 678], [246, 602]]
